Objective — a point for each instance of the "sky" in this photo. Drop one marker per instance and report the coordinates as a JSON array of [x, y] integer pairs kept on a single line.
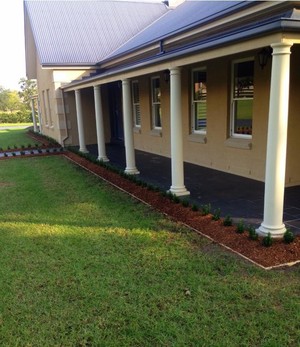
[[12, 51]]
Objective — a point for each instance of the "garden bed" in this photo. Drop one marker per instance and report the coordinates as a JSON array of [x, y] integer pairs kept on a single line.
[[279, 254]]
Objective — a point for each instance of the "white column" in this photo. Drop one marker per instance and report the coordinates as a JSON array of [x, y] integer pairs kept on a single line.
[[128, 128], [82, 146], [277, 142], [99, 124], [177, 187], [33, 115], [39, 115]]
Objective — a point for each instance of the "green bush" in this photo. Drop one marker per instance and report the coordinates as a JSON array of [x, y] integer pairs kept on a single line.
[[227, 221], [288, 236], [16, 117], [252, 233], [240, 228], [267, 240]]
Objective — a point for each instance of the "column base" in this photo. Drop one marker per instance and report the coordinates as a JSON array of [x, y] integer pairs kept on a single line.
[[104, 159], [132, 171], [83, 150], [179, 191], [276, 232]]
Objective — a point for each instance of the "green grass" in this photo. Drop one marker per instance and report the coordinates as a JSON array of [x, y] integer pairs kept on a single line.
[[82, 264], [15, 137], [16, 124]]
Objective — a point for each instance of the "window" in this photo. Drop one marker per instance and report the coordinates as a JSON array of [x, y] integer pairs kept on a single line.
[[156, 107], [242, 98], [199, 93], [136, 104]]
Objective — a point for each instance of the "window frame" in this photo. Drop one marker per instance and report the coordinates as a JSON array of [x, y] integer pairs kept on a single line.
[[233, 99], [154, 105], [194, 102], [136, 104]]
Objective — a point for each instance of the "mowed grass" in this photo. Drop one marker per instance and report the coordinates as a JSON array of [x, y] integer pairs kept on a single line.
[[14, 137], [82, 264]]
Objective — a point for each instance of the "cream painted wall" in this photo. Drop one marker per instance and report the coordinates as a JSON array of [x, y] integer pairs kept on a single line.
[[54, 123], [218, 152]]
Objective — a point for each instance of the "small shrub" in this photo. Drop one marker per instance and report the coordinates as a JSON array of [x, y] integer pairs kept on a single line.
[[47, 150], [195, 207], [39, 150], [29, 145], [227, 221], [8, 147], [36, 145], [22, 146], [15, 147], [252, 233], [1, 149], [13, 154], [31, 152], [22, 153], [5, 154], [176, 199], [240, 228], [205, 209], [267, 240], [216, 214], [288, 236], [185, 203]]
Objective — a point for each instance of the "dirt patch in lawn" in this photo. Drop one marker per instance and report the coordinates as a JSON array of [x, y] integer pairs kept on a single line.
[[277, 255]]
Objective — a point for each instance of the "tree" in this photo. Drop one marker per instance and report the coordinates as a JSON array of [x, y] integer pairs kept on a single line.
[[4, 95], [28, 90], [14, 102]]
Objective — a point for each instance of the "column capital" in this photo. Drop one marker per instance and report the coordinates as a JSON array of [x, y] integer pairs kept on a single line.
[[175, 70], [97, 87], [281, 48]]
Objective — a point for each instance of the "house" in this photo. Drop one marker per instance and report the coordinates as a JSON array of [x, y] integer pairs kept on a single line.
[[214, 83]]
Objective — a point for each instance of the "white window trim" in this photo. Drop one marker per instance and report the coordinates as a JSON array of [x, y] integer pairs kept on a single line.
[[232, 134], [193, 131], [135, 104], [154, 127]]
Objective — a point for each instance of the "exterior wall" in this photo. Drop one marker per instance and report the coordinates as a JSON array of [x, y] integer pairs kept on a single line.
[[89, 121], [293, 157], [218, 151], [52, 113], [244, 157]]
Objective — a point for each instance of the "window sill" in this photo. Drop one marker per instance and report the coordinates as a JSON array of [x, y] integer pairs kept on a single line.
[[137, 130], [156, 132], [239, 143], [200, 138]]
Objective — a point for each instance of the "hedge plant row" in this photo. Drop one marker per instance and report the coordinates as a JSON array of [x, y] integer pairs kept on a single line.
[[17, 117]]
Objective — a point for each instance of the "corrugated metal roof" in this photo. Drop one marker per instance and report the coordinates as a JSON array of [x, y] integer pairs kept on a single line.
[[189, 14], [84, 32]]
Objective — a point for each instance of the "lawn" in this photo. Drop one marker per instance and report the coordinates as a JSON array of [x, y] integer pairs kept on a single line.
[[14, 137], [82, 264]]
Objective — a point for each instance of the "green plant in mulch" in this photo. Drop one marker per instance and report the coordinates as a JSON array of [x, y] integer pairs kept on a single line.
[[240, 228], [288, 236], [22, 153], [267, 241], [227, 221], [195, 207], [205, 209], [15, 146], [252, 233], [185, 203], [216, 214], [8, 147]]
